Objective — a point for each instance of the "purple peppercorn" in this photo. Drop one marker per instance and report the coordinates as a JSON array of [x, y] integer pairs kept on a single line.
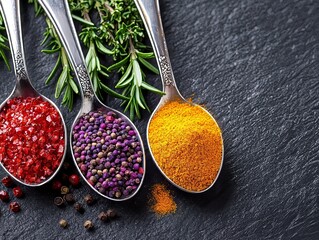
[[108, 153], [136, 166]]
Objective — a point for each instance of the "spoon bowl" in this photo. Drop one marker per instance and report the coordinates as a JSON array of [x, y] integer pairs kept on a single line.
[[10, 10], [59, 13], [150, 13]]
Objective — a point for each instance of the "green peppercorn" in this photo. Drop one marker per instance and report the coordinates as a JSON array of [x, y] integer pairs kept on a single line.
[[88, 225], [63, 223]]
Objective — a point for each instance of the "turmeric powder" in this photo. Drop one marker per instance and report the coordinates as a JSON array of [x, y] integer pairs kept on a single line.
[[187, 145], [161, 200]]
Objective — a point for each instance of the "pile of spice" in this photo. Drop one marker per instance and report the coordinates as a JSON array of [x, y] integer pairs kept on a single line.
[[187, 144], [108, 153], [31, 139], [162, 200]]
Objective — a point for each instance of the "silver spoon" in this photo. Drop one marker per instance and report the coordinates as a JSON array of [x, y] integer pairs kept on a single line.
[[150, 13], [59, 13], [10, 10]]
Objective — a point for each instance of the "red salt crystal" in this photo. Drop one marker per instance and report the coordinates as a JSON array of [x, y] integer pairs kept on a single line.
[[33, 125], [55, 138], [61, 149], [48, 118]]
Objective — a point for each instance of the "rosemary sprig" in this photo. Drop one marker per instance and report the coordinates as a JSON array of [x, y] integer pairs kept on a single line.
[[89, 37], [37, 7], [116, 33], [3, 43], [65, 80], [122, 29]]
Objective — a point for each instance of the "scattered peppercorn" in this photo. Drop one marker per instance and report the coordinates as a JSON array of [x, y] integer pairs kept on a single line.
[[63, 223], [15, 207], [56, 185], [17, 192], [111, 213], [103, 216], [58, 201], [89, 199], [64, 190], [66, 166], [7, 181], [78, 207], [88, 225], [74, 180], [65, 178], [4, 196], [69, 198]]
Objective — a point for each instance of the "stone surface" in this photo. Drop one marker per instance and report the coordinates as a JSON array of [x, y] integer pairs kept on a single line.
[[254, 64]]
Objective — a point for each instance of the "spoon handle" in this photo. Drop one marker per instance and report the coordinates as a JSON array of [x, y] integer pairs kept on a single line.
[[10, 10], [150, 13], [59, 14]]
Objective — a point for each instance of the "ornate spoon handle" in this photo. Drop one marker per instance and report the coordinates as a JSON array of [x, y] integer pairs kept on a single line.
[[150, 13]]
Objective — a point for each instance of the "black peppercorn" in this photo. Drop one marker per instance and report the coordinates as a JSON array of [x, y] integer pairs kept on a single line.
[[69, 198], [89, 199], [66, 166], [111, 213], [58, 201], [88, 225], [78, 207], [103, 216]]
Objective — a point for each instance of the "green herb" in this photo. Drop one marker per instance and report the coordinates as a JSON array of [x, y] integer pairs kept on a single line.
[[3, 43], [118, 33], [113, 32], [65, 80]]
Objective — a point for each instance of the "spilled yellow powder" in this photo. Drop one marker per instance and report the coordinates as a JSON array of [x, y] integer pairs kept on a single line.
[[162, 201], [187, 144]]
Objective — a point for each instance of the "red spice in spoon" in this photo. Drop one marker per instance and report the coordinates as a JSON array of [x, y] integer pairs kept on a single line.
[[31, 139]]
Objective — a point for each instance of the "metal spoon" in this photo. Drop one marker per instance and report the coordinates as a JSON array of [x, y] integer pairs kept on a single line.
[[150, 13], [10, 10], [59, 13]]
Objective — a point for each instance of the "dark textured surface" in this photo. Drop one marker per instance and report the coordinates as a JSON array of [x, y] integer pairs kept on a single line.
[[254, 64]]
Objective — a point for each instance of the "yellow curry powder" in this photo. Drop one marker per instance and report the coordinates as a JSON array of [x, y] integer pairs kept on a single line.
[[187, 144], [162, 200]]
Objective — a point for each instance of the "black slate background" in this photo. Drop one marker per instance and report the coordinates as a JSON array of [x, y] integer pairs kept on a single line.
[[255, 65]]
